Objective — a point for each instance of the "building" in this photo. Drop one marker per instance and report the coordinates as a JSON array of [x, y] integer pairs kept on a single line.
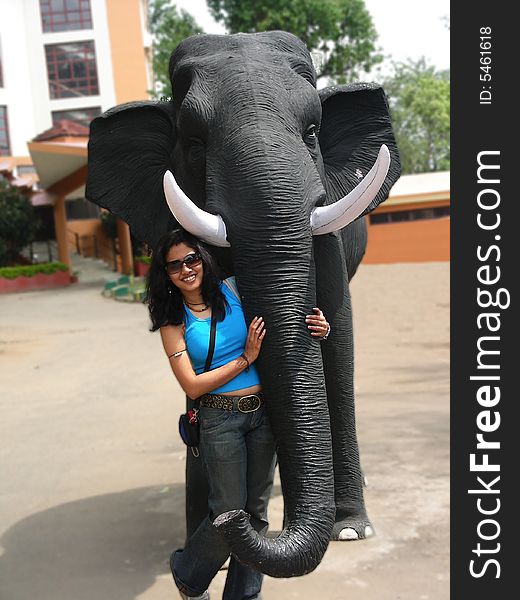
[[413, 224], [63, 62], [67, 59]]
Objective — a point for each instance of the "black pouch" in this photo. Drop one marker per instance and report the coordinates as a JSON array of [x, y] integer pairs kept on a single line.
[[189, 428]]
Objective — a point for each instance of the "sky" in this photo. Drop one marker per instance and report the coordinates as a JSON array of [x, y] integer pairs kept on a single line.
[[406, 28]]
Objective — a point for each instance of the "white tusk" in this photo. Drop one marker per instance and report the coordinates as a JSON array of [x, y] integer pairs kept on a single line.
[[326, 219], [209, 228]]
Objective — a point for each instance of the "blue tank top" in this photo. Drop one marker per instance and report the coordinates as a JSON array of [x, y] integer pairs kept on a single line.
[[230, 341]]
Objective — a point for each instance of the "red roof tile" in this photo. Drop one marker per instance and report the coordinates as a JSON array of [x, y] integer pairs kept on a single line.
[[63, 128]]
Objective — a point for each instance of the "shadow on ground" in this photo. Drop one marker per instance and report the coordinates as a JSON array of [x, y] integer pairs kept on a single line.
[[118, 543]]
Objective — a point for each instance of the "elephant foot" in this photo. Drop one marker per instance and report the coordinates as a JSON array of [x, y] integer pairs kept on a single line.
[[351, 529]]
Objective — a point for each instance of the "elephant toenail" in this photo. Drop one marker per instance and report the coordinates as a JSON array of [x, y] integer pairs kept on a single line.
[[348, 534]]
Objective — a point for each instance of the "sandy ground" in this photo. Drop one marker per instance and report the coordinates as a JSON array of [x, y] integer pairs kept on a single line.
[[92, 467]]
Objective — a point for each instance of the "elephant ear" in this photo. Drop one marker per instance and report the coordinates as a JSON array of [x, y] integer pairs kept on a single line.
[[355, 123], [129, 150]]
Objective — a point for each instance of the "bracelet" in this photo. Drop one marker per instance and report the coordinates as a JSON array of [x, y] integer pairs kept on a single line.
[[175, 354], [245, 358], [324, 337]]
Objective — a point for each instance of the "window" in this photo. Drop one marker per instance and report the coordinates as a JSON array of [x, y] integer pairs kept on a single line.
[[81, 209], [65, 15], [1, 72], [25, 170], [72, 70], [5, 149], [409, 215], [83, 116]]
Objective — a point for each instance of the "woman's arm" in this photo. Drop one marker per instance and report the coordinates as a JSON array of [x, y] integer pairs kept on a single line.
[[195, 385]]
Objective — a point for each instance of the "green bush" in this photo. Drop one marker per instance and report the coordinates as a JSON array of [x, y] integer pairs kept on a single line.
[[147, 260], [30, 270], [17, 223]]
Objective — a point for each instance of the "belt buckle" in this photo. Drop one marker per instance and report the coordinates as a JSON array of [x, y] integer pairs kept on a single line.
[[250, 400]]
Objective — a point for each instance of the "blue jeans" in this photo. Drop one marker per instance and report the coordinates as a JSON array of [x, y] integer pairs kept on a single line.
[[239, 455]]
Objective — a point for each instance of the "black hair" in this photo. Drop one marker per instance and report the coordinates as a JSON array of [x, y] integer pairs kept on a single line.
[[165, 301]]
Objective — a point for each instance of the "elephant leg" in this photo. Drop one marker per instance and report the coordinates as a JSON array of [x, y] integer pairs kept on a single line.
[[333, 298], [197, 489], [354, 241]]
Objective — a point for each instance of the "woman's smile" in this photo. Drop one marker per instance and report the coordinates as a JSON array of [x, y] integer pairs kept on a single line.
[[189, 278]]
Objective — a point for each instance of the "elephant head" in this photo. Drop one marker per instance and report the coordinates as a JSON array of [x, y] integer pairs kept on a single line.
[[257, 156]]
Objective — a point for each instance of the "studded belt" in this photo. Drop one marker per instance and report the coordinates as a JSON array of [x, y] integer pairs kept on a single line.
[[244, 404]]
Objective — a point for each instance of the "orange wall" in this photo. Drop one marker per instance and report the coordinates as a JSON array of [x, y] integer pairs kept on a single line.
[[425, 240], [128, 54]]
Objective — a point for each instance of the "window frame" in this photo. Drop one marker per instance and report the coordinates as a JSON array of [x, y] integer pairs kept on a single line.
[[58, 58], [53, 20], [409, 215]]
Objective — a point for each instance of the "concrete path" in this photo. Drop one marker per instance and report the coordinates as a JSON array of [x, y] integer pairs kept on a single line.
[[92, 467]]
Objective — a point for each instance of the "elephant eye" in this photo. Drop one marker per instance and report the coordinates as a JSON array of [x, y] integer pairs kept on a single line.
[[196, 151], [311, 136]]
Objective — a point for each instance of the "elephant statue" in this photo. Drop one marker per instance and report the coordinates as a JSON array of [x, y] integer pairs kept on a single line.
[[253, 159]]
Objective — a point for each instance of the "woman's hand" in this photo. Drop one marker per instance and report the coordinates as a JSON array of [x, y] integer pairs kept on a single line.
[[318, 324], [255, 335]]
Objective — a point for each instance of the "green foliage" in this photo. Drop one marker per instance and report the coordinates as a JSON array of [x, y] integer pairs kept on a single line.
[[342, 29], [31, 270], [419, 99], [17, 223], [168, 27], [147, 260]]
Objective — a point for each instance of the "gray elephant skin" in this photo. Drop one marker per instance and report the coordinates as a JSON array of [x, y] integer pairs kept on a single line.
[[248, 136]]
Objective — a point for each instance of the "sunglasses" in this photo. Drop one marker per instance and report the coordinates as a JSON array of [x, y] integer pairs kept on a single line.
[[190, 260]]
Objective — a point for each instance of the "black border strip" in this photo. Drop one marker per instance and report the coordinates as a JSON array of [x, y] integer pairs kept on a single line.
[[481, 129]]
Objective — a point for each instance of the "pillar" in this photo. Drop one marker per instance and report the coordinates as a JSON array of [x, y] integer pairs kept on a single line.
[[125, 247], [60, 226]]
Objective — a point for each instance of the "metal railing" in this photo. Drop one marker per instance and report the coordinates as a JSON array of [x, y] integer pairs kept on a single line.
[[47, 247], [91, 246], [88, 246]]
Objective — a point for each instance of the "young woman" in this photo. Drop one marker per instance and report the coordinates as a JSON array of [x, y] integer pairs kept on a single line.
[[236, 443]]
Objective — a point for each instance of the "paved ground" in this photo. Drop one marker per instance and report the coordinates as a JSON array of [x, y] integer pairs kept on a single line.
[[91, 465]]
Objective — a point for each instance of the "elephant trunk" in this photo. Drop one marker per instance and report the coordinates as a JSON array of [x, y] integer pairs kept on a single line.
[[298, 550], [277, 282]]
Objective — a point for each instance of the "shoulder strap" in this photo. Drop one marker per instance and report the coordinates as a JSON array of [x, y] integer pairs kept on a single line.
[[231, 283], [212, 335]]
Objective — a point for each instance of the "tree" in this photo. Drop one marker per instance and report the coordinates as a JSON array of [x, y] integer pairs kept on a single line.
[[168, 28], [341, 29], [17, 223], [419, 99]]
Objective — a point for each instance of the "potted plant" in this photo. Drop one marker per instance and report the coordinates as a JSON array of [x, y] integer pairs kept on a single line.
[[142, 265]]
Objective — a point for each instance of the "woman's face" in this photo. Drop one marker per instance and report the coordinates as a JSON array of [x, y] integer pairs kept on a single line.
[[189, 277]]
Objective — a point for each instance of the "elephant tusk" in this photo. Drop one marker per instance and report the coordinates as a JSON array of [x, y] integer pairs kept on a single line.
[[326, 219], [209, 228]]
